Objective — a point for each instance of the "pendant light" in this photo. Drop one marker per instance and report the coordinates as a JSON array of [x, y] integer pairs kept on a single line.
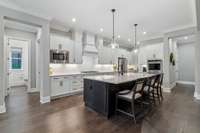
[[113, 43], [135, 45]]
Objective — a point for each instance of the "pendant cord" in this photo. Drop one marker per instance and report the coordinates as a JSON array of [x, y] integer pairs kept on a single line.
[[136, 35], [113, 37]]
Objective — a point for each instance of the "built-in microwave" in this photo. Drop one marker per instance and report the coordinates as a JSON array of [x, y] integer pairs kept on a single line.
[[59, 56], [155, 65]]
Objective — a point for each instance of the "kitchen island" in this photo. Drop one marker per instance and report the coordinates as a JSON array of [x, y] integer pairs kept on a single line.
[[100, 90]]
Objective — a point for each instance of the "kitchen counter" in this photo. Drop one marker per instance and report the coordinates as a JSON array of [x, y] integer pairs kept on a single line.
[[117, 78], [81, 73]]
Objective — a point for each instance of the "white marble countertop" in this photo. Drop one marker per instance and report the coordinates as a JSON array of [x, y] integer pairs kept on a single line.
[[78, 73], [117, 79]]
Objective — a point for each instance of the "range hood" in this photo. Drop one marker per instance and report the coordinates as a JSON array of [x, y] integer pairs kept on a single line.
[[89, 44]]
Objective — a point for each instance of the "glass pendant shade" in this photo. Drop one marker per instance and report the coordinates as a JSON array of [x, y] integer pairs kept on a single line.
[[113, 43]]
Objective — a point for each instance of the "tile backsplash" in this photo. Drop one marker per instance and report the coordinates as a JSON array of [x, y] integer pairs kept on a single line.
[[90, 63]]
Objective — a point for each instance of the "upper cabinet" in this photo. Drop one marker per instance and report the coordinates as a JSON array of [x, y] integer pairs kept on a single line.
[[151, 51], [105, 55], [78, 53], [65, 43], [108, 55]]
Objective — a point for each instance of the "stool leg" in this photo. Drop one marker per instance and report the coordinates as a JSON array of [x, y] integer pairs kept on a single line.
[[133, 112], [161, 92], [116, 105], [158, 95]]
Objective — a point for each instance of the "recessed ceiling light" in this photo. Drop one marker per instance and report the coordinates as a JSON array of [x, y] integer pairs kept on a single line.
[[101, 29], [74, 20], [186, 37], [129, 39], [144, 33], [118, 36]]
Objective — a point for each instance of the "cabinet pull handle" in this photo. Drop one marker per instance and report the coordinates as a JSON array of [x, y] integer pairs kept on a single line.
[[56, 78]]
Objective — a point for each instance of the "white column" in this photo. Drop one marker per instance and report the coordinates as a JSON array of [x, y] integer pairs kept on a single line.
[[166, 65], [44, 53], [197, 66], [2, 68], [197, 53]]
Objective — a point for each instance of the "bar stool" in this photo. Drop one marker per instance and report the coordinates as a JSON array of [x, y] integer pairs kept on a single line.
[[149, 89], [160, 86], [131, 96]]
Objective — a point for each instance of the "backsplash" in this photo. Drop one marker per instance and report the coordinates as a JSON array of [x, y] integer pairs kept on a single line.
[[90, 63]]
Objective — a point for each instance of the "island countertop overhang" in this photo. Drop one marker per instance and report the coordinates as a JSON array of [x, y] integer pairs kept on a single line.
[[118, 78]]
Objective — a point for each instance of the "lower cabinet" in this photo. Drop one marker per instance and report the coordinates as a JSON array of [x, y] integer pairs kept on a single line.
[[66, 85]]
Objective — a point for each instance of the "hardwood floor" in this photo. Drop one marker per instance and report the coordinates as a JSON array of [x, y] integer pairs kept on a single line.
[[179, 113]]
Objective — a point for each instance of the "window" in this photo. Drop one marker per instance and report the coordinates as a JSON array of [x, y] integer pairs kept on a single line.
[[16, 58]]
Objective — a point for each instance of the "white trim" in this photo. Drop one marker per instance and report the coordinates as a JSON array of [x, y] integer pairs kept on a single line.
[[197, 95], [186, 82], [31, 90], [2, 108], [169, 89], [45, 99]]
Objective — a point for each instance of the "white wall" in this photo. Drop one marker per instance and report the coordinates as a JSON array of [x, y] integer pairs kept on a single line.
[[186, 62], [32, 37]]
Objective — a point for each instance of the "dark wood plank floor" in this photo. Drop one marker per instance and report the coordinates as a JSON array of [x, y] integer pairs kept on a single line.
[[179, 113]]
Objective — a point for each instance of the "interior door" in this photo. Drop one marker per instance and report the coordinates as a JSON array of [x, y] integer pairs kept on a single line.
[[18, 62]]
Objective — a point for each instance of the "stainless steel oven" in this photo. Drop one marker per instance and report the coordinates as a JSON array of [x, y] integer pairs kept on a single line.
[[59, 56], [155, 65]]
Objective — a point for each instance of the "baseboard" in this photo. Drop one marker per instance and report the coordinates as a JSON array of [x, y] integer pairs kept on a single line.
[[169, 89], [197, 95], [2, 108], [31, 90], [186, 82], [44, 100]]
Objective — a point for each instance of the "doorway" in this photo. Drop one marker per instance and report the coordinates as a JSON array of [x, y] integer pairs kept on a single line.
[[20, 42], [18, 63]]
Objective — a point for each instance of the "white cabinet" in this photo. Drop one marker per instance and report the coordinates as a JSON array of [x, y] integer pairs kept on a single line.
[[60, 86], [66, 85], [105, 55], [65, 43], [150, 52], [132, 58], [78, 50], [110, 56], [77, 83]]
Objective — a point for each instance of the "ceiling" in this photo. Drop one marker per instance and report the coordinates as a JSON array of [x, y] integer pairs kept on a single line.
[[155, 17]]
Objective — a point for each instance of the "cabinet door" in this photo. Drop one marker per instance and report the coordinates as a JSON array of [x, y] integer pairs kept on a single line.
[[88, 93], [99, 99], [67, 84], [78, 53], [105, 55], [66, 44], [56, 85]]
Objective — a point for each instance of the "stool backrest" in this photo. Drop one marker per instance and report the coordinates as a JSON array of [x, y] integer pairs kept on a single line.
[[139, 86], [161, 79]]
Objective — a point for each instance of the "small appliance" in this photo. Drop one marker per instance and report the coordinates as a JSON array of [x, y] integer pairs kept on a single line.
[[59, 56]]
